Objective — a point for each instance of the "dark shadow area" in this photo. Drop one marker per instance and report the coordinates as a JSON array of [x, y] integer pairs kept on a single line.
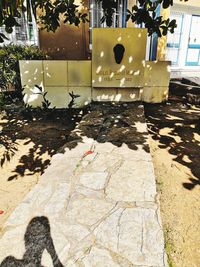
[[181, 122], [119, 50], [116, 123], [36, 239], [44, 133]]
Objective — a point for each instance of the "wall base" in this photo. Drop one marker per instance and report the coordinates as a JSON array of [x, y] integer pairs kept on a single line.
[[59, 78]]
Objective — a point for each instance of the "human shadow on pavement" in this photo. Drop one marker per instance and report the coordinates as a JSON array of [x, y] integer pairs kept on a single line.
[[37, 239]]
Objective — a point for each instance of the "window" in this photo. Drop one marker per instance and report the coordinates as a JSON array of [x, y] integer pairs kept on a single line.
[[193, 51], [96, 13], [26, 33], [174, 39], [21, 32]]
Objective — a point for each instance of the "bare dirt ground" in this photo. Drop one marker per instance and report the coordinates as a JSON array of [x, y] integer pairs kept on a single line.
[[174, 130], [26, 147]]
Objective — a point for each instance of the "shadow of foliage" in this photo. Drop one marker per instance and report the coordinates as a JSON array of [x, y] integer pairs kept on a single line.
[[182, 122], [46, 132], [116, 123]]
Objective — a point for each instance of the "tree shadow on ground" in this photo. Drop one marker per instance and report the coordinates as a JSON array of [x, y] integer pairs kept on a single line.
[[37, 239], [104, 122], [43, 133], [181, 123], [116, 123]]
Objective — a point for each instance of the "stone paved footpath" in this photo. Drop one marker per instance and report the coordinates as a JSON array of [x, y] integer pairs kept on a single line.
[[95, 205]]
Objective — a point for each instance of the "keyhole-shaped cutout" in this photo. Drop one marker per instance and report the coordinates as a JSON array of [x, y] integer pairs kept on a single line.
[[119, 53]]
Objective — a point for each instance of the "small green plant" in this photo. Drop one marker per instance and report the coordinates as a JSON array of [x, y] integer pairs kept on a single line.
[[45, 108], [45, 102], [2, 100], [73, 98], [71, 105], [27, 112], [168, 248], [5, 99]]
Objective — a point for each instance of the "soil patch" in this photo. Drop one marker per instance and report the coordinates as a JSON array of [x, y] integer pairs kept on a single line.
[[26, 147], [174, 130]]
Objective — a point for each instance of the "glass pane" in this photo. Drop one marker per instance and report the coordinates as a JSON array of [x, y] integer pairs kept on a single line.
[[31, 32], [195, 31], [193, 56], [173, 40], [178, 18], [21, 31], [172, 55]]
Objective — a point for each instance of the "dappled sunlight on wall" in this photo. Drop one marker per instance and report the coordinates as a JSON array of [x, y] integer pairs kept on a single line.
[[59, 78], [156, 81], [68, 42], [116, 95], [192, 3], [118, 57], [118, 72]]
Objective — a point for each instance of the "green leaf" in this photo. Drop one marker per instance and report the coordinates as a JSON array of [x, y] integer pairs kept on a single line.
[[134, 8], [10, 22], [9, 29], [128, 17]]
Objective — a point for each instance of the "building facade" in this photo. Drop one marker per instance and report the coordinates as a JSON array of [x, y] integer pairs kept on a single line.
[[71, 42], [75, 43], [183, 47]]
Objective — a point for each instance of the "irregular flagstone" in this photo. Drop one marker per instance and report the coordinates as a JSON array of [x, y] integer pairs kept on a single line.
[[105, 162], [94, 180], [12, 242], [98, 256], [58, 200], [135, 234], [134, 155], [133, 181], [93, 209], [87, 211]]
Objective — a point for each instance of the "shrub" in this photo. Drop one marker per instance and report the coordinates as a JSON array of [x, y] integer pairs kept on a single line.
[[2, 100], [9, 64]]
